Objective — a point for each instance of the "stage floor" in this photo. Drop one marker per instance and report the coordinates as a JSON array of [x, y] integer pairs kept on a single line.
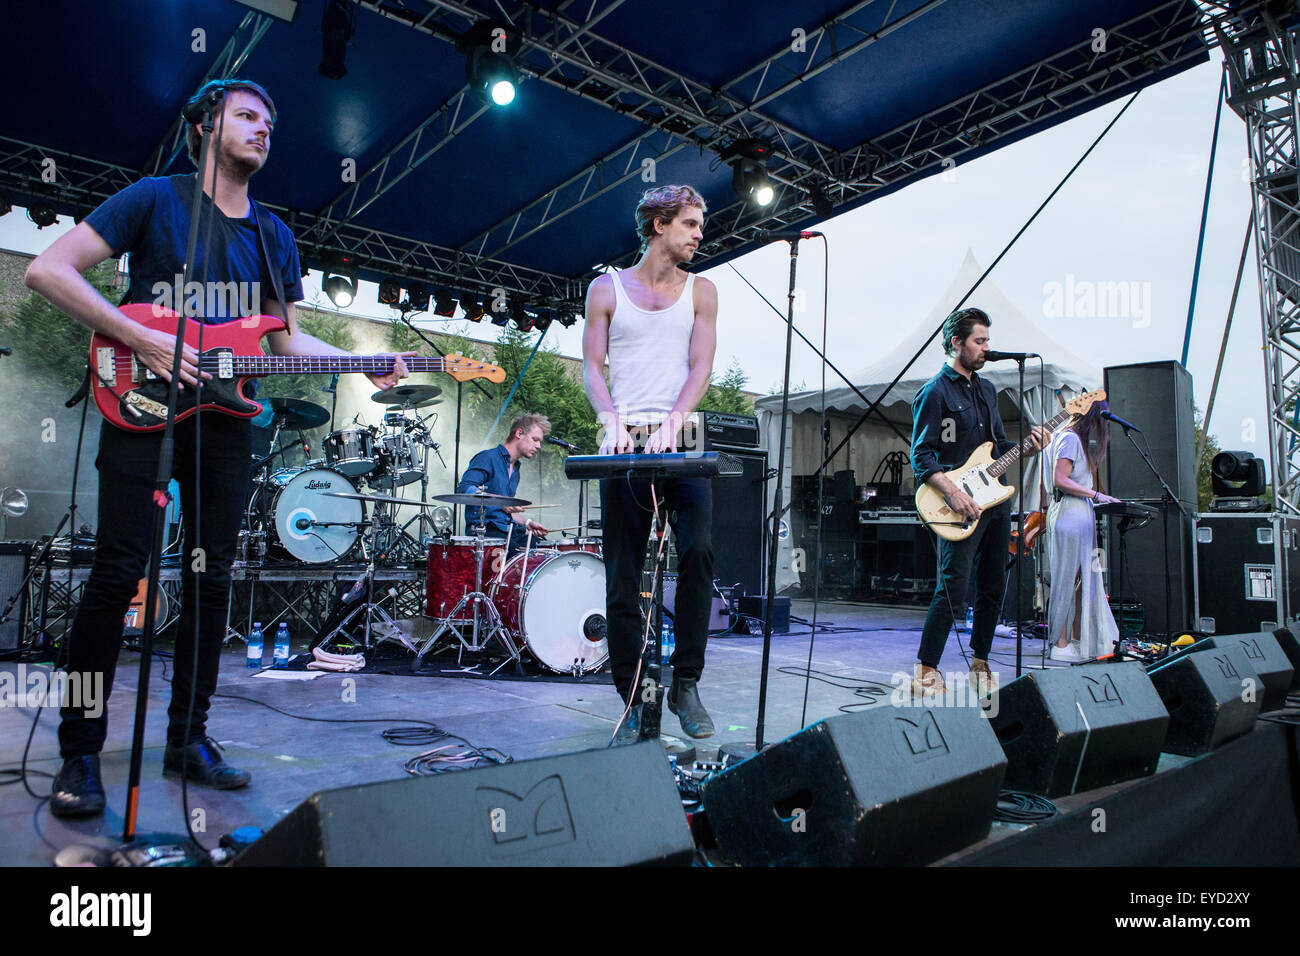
[[861, 653]]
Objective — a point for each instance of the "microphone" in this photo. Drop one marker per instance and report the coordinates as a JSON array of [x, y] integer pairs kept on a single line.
[[1120, 422], [793, 235], [561, 442], [992, 356], [303, 523]]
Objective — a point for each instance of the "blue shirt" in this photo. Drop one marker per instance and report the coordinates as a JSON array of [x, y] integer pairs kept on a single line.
[[490, 469], [150, 220], [951, 417]]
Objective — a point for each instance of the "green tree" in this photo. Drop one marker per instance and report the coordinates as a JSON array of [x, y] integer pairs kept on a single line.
[[328, 327], [726, 392]]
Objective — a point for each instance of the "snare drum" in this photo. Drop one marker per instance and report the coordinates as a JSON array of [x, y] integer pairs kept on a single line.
[[351, 451], [450, 575], [556, 605], [591, 545], [308, 524]]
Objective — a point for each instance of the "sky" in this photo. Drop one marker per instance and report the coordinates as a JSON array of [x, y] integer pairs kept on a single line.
[[1129, 215]]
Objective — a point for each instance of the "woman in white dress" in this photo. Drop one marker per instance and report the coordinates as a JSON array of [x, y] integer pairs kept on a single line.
[[1078, 603]]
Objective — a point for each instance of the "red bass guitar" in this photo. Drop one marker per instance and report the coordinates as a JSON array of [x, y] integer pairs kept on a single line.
[[134, 398]]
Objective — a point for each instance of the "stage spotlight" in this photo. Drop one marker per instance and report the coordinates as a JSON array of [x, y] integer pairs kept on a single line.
[[473, 307], [821, 202], [390, 291], [1237, 474], [500, 317], [444, 303], [749, 179], [340, 282], [42, 214], [566, 317], [337, 27], [417, 297], [489, 48], [543, 319], [519, 315]]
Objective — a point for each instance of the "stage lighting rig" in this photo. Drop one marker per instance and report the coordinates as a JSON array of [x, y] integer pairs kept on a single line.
[[417, 297], [748, 159], [566, 316], [337, 27], [473, 307], [390, 291], [444, 302], [1237, 474], [519, 315], [42, 214], [340, 279], [489, 48], [821, 202], [542, 321]]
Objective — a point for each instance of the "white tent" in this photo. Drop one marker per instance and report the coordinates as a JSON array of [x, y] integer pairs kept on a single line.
[[1063, 375]]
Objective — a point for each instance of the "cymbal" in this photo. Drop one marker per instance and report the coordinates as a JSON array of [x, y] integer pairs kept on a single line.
[[485, 500], [298, 413], [407, 396], [384, 498]]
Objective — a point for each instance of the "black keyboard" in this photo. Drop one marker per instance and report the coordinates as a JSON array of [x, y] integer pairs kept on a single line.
[[689, 464]]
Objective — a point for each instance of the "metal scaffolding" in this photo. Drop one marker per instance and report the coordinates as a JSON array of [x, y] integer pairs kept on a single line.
[[1261, 64]]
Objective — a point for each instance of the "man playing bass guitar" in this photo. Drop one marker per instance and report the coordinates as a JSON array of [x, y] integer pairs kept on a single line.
[[240, 243]]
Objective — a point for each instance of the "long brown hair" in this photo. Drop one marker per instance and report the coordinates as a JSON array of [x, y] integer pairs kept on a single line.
[[1091, 427]]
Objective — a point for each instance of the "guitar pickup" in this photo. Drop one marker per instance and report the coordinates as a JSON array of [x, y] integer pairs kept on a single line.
[[105, 364], [140, 372], [225, 364]]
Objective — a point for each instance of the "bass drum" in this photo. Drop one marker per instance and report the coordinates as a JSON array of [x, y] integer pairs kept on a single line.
[[556, 605], [300, 504]]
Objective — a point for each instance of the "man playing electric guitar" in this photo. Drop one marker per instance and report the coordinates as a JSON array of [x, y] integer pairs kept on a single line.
[[954, 413], [151, 220]]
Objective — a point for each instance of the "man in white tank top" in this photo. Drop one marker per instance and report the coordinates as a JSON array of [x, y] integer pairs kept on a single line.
[[657, 325]]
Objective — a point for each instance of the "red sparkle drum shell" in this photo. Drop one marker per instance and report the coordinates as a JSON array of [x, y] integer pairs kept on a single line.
[[555, 603], [578, 544], [450, 575]]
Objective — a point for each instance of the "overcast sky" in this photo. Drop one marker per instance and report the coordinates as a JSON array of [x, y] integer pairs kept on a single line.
[[1130, 214]]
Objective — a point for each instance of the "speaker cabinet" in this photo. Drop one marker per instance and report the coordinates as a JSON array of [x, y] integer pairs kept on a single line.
[[1156, 397], [885, 786], [1078, 728], [1208, 698], [739, 556], [1264, 652], [14, 556], [609, 807], [1144, 577], [1247, 572]]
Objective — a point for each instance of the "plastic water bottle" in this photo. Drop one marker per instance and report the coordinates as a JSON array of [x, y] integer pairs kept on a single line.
[[970, 618], [668, 641], [282, 647], [254, 658]]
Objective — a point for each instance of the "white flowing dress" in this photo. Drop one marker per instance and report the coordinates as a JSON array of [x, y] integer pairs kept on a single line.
[[1073, 530]]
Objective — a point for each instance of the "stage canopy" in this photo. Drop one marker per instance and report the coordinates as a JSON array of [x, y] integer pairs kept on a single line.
[[850, 101]]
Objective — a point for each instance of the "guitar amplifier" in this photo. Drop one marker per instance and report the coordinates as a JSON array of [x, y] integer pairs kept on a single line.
[[14, 556], [728, 430]]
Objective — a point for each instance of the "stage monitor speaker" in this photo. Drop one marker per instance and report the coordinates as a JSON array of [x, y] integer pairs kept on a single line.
[[1070, 729], [1144, 568], [14, 556], [739, 511], [1156, 397], [846, 485], [610, 807], [1266, 656], [884, 786], [1286, 639], [1208, 696]]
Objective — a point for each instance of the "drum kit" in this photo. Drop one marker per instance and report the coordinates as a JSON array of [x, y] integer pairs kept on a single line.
[[548, 600]]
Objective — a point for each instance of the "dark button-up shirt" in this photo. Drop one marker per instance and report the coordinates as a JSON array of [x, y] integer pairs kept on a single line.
[[951, 417], [490, 469]]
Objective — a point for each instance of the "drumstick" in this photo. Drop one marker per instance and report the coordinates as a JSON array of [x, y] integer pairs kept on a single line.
[[530, 507]]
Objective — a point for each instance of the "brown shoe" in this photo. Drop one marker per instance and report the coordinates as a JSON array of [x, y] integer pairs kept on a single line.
[[927, 682], [986, 685]]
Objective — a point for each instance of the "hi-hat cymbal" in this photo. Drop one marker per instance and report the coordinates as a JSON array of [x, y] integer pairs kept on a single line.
[[484, 500], [297, 413], [407, 396]]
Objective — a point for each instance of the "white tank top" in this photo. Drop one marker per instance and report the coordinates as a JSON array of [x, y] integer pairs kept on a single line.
[[649, 355]]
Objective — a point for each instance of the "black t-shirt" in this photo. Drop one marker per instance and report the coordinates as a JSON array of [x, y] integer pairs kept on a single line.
[[151, 221]]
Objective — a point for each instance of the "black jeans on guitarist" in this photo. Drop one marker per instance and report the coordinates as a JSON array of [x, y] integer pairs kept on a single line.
[[128, 466], [984, 553], [626, 510]]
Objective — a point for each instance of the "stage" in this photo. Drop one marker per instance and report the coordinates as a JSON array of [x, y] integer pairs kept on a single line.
[[1247, 788]]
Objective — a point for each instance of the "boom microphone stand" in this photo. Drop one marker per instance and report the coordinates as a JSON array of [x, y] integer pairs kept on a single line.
[[1168, 498]]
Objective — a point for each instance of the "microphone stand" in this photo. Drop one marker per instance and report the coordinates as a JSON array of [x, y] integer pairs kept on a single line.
[[1020, 522], [777, 509], [1165, 500]]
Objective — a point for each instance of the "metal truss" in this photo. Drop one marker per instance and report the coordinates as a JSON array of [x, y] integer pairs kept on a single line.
[[1263, 76]]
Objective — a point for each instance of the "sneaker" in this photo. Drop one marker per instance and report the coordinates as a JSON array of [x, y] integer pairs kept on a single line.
[[983, 679], [78, 790], [927, 682], [201, 760], [1069, 654]]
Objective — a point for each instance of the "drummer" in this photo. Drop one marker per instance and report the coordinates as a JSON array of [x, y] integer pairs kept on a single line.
[[496, 471]]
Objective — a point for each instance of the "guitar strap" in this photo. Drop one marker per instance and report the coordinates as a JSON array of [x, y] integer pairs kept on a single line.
[[267, 241]]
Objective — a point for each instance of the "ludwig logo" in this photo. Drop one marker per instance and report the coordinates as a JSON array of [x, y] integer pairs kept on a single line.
[[1226, 668], [1104, 692], [539, 819], [920, 738], [316, 484]]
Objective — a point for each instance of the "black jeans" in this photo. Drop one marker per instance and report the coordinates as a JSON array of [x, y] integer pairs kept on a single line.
[[986, 550], [128, 464], [626, 512]]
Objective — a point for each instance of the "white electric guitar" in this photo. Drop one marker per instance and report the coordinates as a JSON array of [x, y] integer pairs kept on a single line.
[[981, 477]]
